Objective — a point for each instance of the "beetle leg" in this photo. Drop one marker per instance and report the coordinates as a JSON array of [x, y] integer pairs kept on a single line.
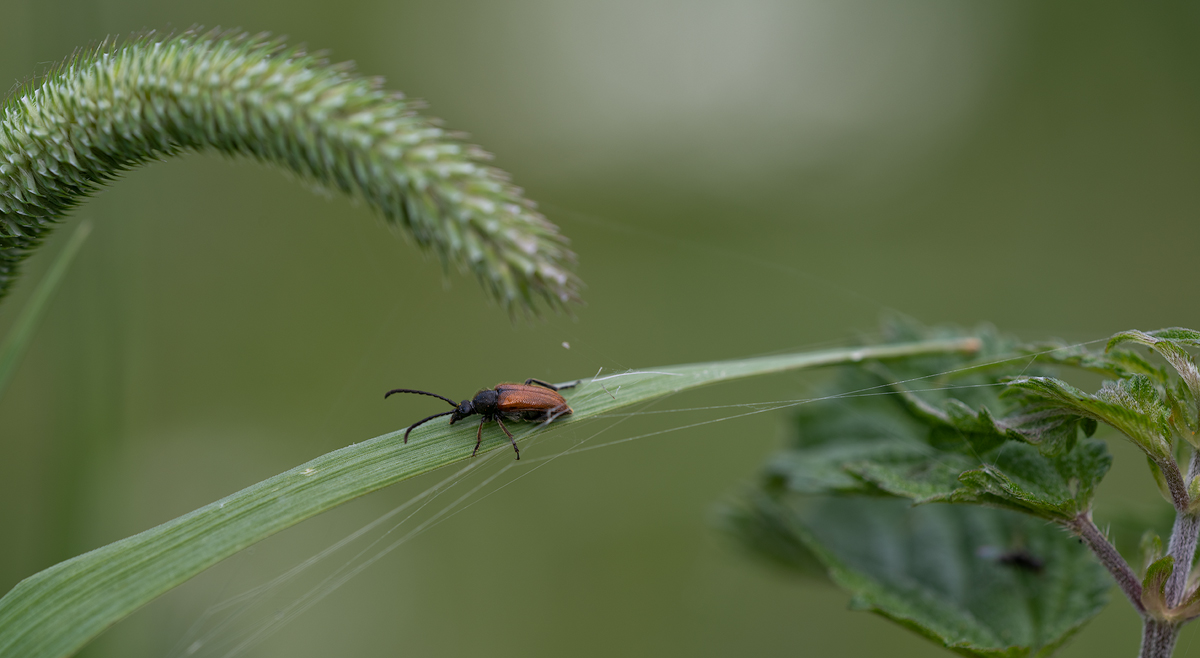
[[550, 386], [479, 436], [510, 437]]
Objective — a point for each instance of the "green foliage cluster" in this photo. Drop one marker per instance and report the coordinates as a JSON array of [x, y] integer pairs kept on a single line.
[[1003, 433], [56, 611], [119, 105], [941, 416]]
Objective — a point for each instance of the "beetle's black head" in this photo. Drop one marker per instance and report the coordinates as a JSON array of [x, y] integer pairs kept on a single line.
[[464, 409]]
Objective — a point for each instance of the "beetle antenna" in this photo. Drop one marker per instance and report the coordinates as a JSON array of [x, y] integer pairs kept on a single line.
[[409, 390], [410, 427]]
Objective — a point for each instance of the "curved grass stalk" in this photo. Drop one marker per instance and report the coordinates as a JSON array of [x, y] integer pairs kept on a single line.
[[119, 105], [55, 612]]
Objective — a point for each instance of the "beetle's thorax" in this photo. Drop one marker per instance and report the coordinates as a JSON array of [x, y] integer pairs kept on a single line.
[[486, 401]]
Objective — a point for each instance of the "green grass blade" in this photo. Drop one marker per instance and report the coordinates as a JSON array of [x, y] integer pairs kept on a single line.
[[55, 612], [13, 347]]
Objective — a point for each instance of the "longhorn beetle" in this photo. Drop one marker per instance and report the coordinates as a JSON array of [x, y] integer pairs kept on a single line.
[[540, 403]]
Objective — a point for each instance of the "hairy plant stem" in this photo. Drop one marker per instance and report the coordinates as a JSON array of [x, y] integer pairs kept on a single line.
[[1175, 484], [1158, 638], [1127, 580], [1183, 543]]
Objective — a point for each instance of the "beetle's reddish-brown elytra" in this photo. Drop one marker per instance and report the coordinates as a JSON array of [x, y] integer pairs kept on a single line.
[[535, 400]]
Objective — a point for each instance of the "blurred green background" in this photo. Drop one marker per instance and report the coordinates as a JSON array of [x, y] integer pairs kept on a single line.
[[737, 178]]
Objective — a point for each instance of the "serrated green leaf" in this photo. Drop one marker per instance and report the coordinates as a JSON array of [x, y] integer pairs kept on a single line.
[[833, 433], [920, 477], [981, 582], [1015, 475], [1181, 335], [1149, 417], [1051, 428], [1168, 343], [1020, 477], [871, 444], [1114, 363], [861, 418], [823, 469], [1183, 412], [976, 427], [935, 441], [1130, 405], [954, 424], [1082, 469], [939, 449]]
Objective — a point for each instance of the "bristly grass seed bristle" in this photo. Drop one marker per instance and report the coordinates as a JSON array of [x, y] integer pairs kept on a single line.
[[118, 105]]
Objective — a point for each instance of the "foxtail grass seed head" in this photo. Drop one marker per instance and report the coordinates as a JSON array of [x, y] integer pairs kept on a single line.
[[113, 107]]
